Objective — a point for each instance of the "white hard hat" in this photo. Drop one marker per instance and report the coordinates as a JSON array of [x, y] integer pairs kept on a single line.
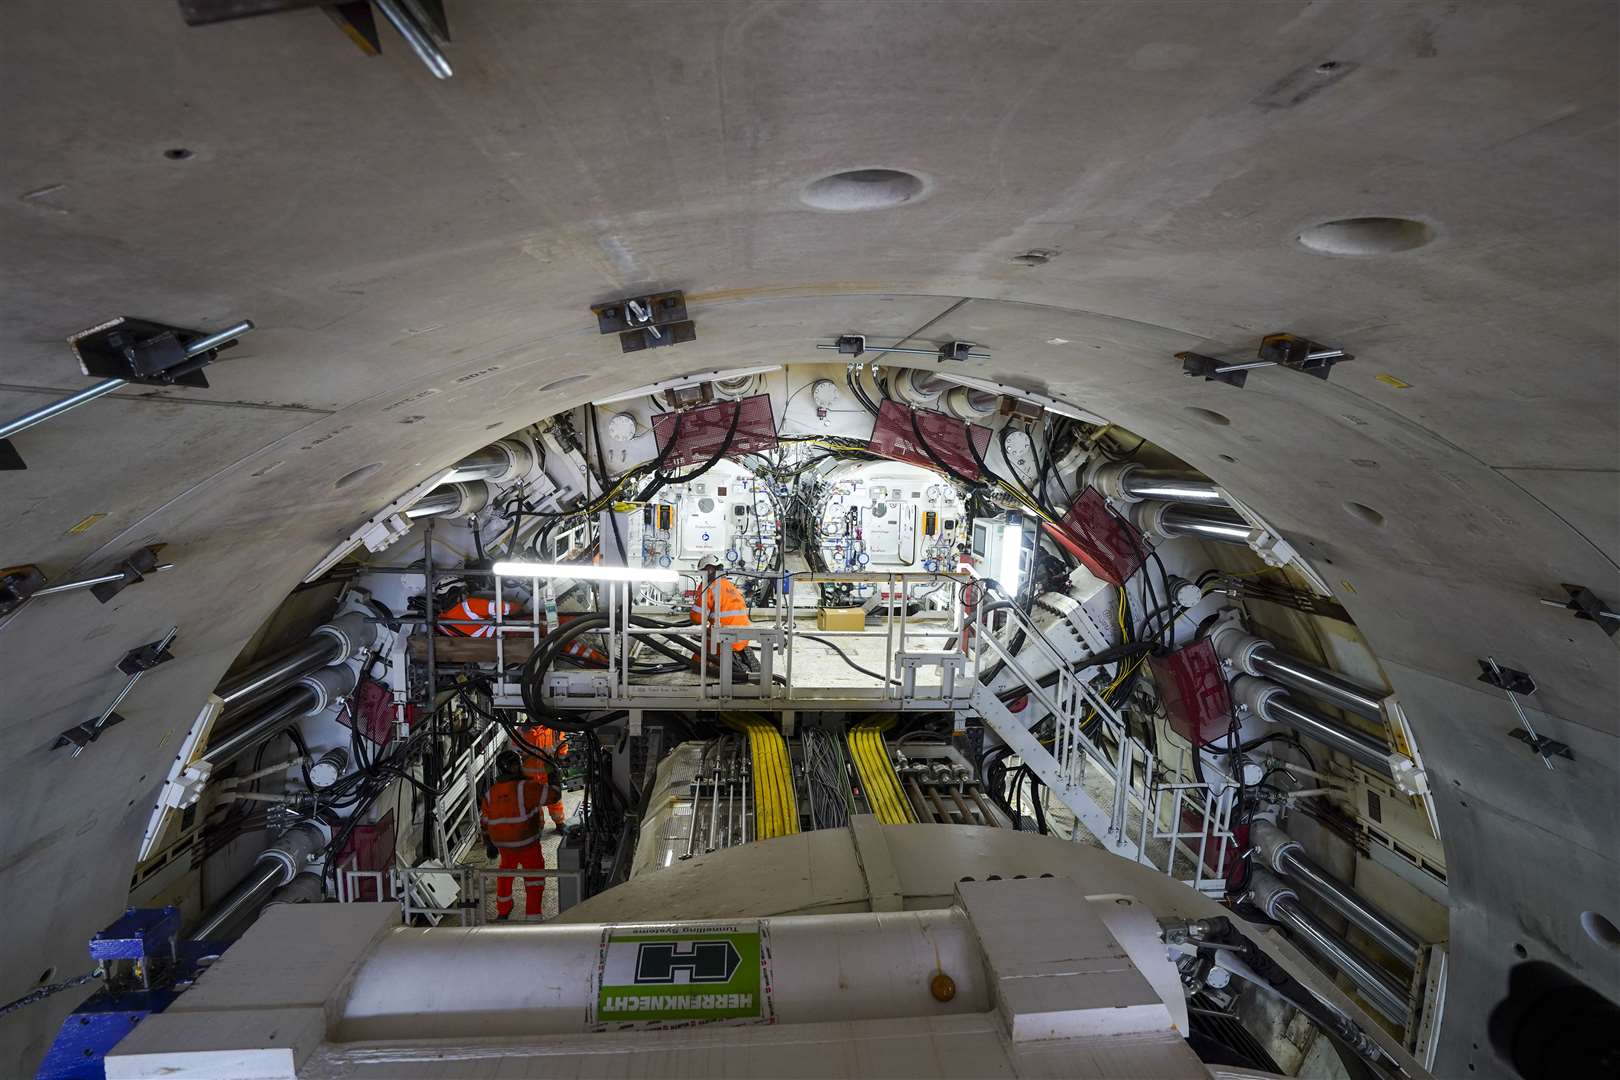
[[708, 561]]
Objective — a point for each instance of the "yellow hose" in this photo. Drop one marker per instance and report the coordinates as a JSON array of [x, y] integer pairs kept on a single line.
[[776, 810], [878, 778]]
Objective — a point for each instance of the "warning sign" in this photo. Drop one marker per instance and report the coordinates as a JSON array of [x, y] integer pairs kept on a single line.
[[694, 973]]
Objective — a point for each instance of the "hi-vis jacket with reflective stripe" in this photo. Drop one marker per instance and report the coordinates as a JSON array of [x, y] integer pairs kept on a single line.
[[474, 607], [547, 739], [726, 602], [511, 813]]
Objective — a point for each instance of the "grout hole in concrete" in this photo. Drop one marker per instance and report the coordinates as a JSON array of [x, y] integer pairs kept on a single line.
[[1227, 457], [863, 189], [357, 475], [1209, 415], [1038, 257], [1363, 512], [1520, 951], [177, 153], [1601, 929], [1366, 236], [46, 976]]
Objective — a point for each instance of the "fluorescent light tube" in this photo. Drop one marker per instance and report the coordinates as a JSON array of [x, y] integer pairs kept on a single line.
[[586, 572]]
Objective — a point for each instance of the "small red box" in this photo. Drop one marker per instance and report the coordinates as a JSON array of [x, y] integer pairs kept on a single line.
[[1110, 546], [1192, 686]]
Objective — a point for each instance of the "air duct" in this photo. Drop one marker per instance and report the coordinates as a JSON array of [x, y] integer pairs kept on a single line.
[[1282, 853], [1281, 903], [1256, 656]]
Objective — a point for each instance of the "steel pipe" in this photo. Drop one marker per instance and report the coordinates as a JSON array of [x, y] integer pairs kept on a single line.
[[1273, 704], [1381, 989], [447, 983], [1256, 656], [1286, 856]]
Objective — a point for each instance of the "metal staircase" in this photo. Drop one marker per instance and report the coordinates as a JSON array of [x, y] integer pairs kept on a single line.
[[1109, 780]]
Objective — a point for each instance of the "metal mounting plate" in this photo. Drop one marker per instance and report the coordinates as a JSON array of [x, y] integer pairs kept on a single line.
[[662, 309], [140, 351]]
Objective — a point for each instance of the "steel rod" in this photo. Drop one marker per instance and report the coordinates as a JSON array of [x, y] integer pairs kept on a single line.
[[420, 44], [102, 389]]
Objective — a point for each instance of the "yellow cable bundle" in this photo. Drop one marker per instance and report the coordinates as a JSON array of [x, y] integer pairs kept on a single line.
[[883, 792], [776, 810]]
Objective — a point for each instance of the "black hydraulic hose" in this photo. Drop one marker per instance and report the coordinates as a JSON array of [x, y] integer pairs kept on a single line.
[[845, 657]]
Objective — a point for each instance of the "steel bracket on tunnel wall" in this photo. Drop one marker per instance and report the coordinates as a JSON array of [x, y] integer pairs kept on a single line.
[[646, 322], [1276, 350], [144, 352]]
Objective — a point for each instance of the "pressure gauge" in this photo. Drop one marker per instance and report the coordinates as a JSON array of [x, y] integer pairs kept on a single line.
[[621, 427], [933, 491], [824, 393], [732, 555]]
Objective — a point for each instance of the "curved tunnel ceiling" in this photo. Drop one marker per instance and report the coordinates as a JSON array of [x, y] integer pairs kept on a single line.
[[1105, 185]]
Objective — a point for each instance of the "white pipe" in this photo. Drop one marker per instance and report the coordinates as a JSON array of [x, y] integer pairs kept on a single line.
[[516, 981]]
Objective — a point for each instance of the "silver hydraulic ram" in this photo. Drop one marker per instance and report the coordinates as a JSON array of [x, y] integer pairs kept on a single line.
[[276, 865], [452, 500], [1386, 994], [331, 643], [1132, 482], [1256, 656], [1273, 704], [311, 695], [1166, 521], [498, 462], [1282, 853]]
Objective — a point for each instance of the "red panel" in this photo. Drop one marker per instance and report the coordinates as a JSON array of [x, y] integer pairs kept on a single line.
[[369, 847], [1192, 687], [1110, 546], [375, 704], [699, 433], [894, 436]]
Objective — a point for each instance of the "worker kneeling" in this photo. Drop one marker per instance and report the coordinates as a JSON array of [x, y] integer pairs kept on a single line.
[[726, 604], [512, 823]]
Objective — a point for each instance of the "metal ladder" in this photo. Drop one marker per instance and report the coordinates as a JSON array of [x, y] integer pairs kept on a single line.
[[1180, 828]]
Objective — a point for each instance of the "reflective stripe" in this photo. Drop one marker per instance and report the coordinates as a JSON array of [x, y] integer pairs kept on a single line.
[[532, 815], [734, 613], [517, 843]]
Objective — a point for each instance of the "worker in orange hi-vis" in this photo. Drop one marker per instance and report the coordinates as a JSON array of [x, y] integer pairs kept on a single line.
[[726, 606], [510, 814], [540, 770], [473, 609]]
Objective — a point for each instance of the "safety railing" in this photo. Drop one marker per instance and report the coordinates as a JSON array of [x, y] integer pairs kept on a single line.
[[435, 892], [717, 679], [456, 823], [1181, 827]]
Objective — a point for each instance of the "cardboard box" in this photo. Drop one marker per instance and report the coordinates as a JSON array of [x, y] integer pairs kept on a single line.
[[841, 618]]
